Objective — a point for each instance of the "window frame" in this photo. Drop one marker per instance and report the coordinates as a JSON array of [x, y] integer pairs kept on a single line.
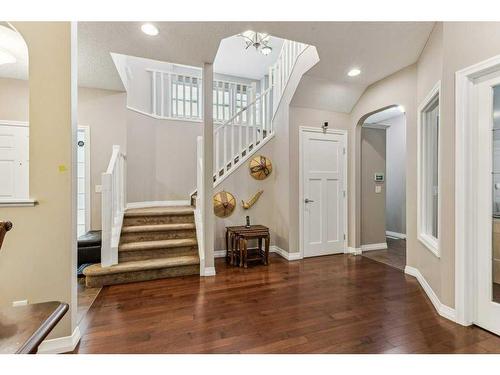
[[427, 239]]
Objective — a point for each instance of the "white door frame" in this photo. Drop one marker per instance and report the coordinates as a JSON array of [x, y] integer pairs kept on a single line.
[[466, 190], [88, 216], [310, 129]]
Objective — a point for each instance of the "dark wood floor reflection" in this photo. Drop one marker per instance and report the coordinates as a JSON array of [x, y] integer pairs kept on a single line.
[[332, 304], [394, 255]]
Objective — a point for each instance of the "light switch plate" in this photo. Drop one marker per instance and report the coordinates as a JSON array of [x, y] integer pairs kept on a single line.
[[98, 188], [378, 189]]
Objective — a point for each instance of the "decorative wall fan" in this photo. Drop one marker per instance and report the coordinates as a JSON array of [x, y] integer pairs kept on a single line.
[[260, 167]]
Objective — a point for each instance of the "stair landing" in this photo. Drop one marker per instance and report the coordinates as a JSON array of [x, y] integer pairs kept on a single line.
[[155, 243]]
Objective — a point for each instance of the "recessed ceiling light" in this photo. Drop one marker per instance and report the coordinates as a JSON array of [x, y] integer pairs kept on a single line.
[[6, 57], [354, 72], [150, 29]]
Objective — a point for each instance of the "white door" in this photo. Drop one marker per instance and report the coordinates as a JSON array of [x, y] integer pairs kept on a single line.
[[323, 192], [14, 162], [83, 183], [487, 273]]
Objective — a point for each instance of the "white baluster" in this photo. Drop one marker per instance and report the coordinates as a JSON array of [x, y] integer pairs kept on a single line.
[[225, 146]]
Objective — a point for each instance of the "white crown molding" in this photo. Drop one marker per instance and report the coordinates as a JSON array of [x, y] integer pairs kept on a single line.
[[61, 344], [443, 310], [158, 204], [374, 246]]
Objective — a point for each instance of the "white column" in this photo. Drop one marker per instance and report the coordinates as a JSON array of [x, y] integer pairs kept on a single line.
[[208, 146]]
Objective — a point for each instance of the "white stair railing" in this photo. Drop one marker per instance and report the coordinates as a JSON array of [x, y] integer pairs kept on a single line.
[[280, 72], [243, 133], [250, 128], [113, 201]]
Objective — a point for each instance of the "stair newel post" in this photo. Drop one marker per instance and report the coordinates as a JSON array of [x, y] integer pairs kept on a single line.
[[208, 183], [106, 218]]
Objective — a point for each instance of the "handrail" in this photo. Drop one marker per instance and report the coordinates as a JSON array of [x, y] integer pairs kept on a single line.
[[5, 226], [113, 200], [257, 98]]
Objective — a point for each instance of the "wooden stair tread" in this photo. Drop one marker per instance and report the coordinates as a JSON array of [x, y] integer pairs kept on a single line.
[[157, 227], [159, 211], [160, 244], [141, 265]]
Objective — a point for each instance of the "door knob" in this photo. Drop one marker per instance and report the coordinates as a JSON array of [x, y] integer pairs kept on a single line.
[[307, 200]]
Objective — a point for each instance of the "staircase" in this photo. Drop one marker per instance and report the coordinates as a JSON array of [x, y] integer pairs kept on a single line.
[[156, 242]]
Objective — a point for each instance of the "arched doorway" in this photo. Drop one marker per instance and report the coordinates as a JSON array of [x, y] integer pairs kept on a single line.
[[382, 177]]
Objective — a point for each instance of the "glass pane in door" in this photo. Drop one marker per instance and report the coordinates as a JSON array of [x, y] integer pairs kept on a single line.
[[496, 195]]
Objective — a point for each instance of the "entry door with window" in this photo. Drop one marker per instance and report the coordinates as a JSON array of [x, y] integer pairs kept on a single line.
[[487, 273], [323, 192], [14, 162]]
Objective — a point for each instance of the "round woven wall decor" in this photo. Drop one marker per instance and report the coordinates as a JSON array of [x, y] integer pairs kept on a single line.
[[260, 167], [224, 204]]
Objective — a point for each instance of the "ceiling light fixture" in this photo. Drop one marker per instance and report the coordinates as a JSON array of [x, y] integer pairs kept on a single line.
[[354, 72], [6, 57], [150, 29], [258, 40]]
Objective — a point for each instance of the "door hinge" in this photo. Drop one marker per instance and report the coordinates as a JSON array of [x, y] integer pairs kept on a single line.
[[344, 236], [344, 193], [343, 151]]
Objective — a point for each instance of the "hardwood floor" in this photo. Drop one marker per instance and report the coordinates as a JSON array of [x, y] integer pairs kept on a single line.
[[394, 255], [332, 304], [86, 297]]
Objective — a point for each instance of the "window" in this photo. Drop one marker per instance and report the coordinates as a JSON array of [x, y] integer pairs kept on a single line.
[[180, 96], [428, 171], [185, 94]]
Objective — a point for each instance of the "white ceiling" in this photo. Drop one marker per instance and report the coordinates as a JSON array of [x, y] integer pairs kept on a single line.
[[233, 59], [13, 42], [377, 48]]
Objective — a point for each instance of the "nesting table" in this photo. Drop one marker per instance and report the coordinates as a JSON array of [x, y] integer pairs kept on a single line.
[[237, 252]]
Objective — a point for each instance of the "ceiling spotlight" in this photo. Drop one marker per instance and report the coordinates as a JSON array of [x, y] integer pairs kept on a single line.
[[354, 72], [6, 57], [150, 29]]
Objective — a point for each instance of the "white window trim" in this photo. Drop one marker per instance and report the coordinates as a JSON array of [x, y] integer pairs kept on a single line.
[[429, 241]]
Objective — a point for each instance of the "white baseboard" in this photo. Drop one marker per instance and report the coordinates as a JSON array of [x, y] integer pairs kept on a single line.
[[209, 271], [443, 310], [219, 253], [158, 204], [272, 249], [61, 344], [395, 234], [353, 251], [374, 246]]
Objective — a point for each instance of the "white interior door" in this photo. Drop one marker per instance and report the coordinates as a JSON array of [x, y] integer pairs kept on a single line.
[[14, 162], [487, 255], [83, 180], [323, 192]]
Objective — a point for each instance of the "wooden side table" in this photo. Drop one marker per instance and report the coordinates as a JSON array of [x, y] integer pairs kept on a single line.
[[237, 244]]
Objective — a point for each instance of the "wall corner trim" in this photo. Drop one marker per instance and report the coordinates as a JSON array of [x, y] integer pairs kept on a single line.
[[61, 344], [442, 309], [209, 271], [353, 251]]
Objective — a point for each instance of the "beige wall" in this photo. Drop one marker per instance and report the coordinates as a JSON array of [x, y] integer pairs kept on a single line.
[[373, 148], [161, 158], [104, 112], [14, 98], [37, 261]]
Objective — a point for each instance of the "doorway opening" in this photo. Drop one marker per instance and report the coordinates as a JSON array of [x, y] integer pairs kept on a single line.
[[383, 187]]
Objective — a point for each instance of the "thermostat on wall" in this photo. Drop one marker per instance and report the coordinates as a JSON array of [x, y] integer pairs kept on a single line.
[[379, 177]]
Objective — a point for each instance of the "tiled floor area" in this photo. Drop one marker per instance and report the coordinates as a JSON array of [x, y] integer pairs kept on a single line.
[[394, 255]]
